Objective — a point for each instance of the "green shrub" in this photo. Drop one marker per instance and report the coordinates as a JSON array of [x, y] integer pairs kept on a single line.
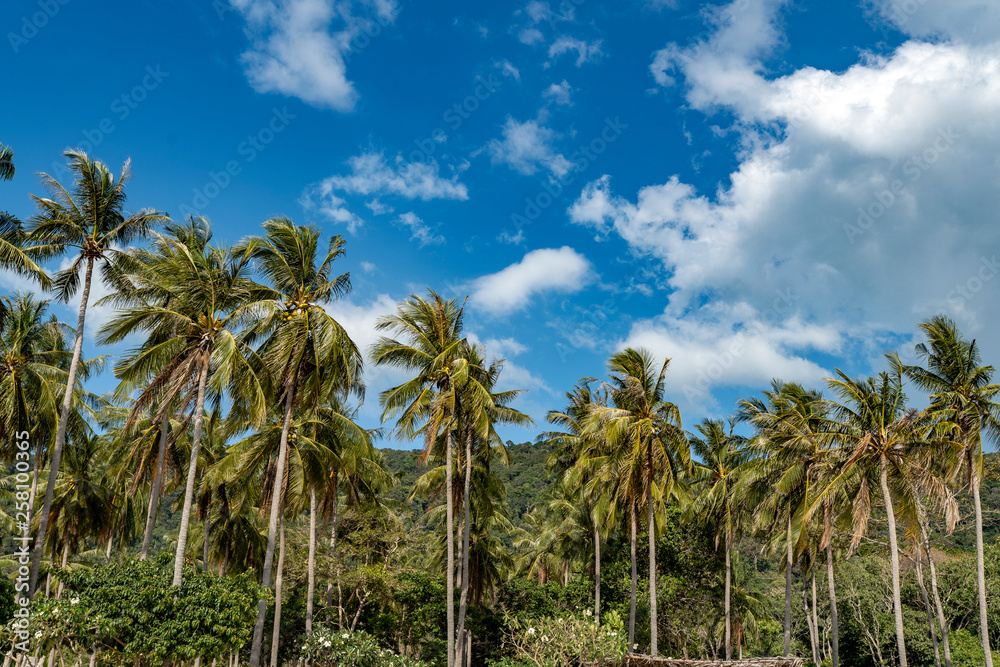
[[327, 647], [564, 641]]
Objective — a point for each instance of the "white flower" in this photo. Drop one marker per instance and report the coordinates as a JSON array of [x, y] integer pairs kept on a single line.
[[75, 601], [614, 634], [344, 636], [531, 631], [588, 612], [635, 647], [545, 638], [38, 634]]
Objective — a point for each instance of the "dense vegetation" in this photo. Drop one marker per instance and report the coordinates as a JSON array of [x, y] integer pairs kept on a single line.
[[223, 504]]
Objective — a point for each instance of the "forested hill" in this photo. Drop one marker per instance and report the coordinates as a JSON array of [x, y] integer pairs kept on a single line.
[[525, 477], [527, 484]]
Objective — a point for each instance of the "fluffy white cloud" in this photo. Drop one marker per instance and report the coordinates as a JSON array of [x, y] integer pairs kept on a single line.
[[527, 146], [419, 230], [585, 51], [371, 175], [298, 47], [561, 270], [559, 93], [870, 193], [974, 21]]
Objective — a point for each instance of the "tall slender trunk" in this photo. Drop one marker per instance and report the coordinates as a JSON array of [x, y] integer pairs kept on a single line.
[[450, 572], [653, 617], [729, 623], [333, 536], [788, 586], [154, 492], [834, 626], [897, 606], [597, 575], [634, 585], [107, 553], [467, 530], [310, 593], [981, 570], [815, 614], [65, 563], [813, 648], [57, 446], [942, 624], [276, 633], [34, 487], [199, 422], [206, 542], [272, 528], [927, 606]]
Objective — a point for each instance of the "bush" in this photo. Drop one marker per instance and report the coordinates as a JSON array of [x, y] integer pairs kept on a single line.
[[327, 647], [564, 641]]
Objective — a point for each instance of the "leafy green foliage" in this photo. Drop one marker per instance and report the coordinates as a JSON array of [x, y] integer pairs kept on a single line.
[[130, 610], [329, 647], [570, 640]]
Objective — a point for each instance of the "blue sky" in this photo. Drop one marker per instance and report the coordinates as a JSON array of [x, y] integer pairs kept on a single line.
[[756, 189]]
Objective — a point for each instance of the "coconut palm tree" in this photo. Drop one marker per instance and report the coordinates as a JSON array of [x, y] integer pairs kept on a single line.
[[791, 451], [309, 354], [963, 396], [6, 163], [722, 455], [427, 405], [12, 255], [91, 221], [882, 436], [647, 428], [189, 297]]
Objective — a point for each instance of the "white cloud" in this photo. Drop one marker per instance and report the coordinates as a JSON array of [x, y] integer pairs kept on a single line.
[[531, 36], [298, 46], [870, 192], [372, 176], [561, 270], [507, 69], [972, 21], [559, 93], [367, 267], [585, 51], [527, 146], [419, 230]]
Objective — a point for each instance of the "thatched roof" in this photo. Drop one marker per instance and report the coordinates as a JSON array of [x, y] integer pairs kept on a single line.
[[646, 661]]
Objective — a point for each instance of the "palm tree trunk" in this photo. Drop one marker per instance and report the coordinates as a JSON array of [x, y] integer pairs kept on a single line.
[[310, 593], [333, 536], [450, 572], [276, 633], [635, 583], [653, 617], [815, 615], [154, 492], [597, 575], [937, 598], [835, 628], [107, 553], [729, 623], [65, 563], [272, 528], [788, 586], [206, 542], [467, 529], [927, 606], [813, 647], [894, 555], [981, 570], [199, 421], [57, 446]]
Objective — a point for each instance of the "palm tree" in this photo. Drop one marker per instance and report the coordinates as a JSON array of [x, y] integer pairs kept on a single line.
[[309, 354], [189, 297], [427, 404], [12, 255], [791, 453], [963, 395], [723, 455], [881, 435], [91, 220], [6, 163], [647, 428]]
